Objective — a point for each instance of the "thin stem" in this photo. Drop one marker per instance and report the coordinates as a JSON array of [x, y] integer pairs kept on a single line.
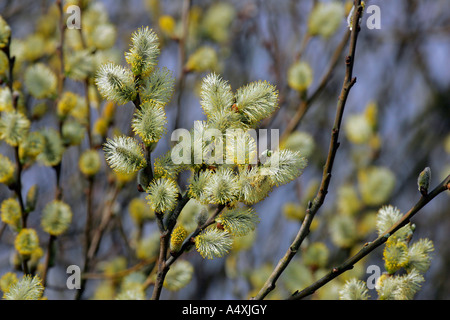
[[148, 170], [106, 218], [314, 206], [189, 240], [51, 241], [166, 231], [89, 215], [11, 60], [18, 187], [61, 80], [164, 265], [162, 269], [57, 167], [370, 246], [160, 221], [91, 179], [18, 182], [59, 190], [88, 103], [60, 48], [2, 228], [95, 243]]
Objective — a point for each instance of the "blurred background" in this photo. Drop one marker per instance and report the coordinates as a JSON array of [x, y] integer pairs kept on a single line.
[[396, 123]]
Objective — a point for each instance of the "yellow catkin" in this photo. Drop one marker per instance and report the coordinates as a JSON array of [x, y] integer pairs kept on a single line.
[[178, 236]]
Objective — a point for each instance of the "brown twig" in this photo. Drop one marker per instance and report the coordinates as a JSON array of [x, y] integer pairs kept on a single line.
[[17, 186], [60, 48], [315, 205], [61, 80], [18, 183], [166, 231], [95, 243], [106, 218], [370, 246], [89, 215], [164, 265], [57, 167], [51, 241]]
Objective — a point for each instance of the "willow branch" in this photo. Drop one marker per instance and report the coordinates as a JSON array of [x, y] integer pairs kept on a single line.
[[315, 205], [17, 187], [370, 246], [61, 80], [60, 48], [166, 229], [18, 183], [106, 218], [189, 240], [163, 264], [57, 167], [96, 238], [51, 241], [90, 179]]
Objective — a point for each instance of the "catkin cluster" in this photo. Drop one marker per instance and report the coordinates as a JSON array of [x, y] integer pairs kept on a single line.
[[221, 164]]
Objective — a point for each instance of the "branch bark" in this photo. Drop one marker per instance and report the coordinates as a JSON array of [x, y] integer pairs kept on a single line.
[[315, 205], [164, 265], [166, 231]]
